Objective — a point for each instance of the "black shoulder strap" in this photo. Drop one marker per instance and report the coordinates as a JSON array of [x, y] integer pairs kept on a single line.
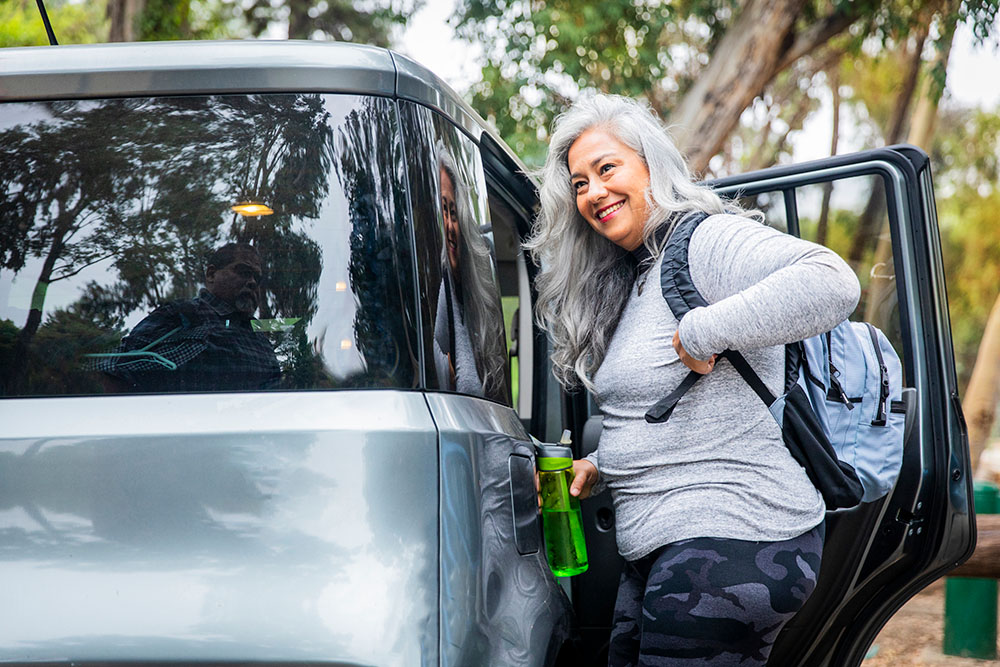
[[675, 274], [681, 296]]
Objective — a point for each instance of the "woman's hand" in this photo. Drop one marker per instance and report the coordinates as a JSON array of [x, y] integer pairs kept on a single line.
[[696, 365], [584, 477]]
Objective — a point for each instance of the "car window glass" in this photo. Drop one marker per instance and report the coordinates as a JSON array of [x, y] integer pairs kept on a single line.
[[849, 216], [772, 205], [462, 319], [513, 281], [204, 243]]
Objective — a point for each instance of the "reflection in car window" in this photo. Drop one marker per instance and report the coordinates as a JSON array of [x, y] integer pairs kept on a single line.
[[464, 343], [219, 243]]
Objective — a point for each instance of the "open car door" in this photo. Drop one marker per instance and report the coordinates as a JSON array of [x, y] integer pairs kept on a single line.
[[876, 209]]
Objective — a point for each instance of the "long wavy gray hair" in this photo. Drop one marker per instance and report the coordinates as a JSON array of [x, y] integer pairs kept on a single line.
[[585, 279], [475, 292]]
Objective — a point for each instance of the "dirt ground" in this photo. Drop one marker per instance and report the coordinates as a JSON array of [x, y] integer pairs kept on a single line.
[[913, 636]]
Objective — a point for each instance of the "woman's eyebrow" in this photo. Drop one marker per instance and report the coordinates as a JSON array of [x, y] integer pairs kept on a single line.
[[593, 163]]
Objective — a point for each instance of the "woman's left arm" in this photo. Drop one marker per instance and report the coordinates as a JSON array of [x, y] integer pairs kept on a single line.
[[765, 287]]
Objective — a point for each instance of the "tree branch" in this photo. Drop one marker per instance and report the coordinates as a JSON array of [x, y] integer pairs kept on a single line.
[[817, 35]]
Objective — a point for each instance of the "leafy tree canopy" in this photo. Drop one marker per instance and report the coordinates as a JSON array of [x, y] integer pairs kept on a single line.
[[73, 23], [540, 54]]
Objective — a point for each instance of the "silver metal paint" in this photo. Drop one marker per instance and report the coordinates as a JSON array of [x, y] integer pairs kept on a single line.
[[266, 526], [162, 68], [283, 526], [498, 607], [418, 84]]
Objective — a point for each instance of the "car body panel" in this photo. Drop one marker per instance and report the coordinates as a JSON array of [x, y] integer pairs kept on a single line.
[[220, 527], [345, 527], [498, 606]]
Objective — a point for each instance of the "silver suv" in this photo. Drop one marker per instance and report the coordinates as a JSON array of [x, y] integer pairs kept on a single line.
[[268, 372]]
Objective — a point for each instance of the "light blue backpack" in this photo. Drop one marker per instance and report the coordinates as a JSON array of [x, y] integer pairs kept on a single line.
[[854, 381], [842, 413]]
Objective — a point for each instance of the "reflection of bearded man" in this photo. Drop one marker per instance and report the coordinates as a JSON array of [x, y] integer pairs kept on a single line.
[[202, 344], [233, 275]]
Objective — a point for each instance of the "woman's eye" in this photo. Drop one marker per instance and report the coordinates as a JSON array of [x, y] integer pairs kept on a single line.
[[579, 185], [606, 167]]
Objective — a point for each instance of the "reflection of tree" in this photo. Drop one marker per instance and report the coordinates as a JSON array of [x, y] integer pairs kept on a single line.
[[369, 164], [146, 185]]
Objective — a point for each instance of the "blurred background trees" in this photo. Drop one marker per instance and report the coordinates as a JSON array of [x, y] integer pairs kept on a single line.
[[77, 22], [738, 81]]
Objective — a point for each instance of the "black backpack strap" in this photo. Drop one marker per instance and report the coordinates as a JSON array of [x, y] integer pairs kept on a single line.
[[749, 375], [675, 273], [681, 296], [661, 412]]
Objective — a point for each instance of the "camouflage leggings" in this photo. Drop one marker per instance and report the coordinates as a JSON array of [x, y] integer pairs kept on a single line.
[[711, 601]]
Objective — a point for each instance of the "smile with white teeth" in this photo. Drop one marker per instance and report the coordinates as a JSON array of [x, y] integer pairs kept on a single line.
[[605, 212]]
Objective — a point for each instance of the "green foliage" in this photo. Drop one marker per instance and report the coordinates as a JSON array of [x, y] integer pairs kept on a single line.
[[165, 20], [870, 82], [541, 53], [72, 23], [965, 157], [341, 20], [966, 150], [971, 240]]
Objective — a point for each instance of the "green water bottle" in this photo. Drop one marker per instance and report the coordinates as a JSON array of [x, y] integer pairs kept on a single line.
[[562, 520]]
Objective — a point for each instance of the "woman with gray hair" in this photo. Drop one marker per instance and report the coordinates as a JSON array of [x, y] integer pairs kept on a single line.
[[468, 333], [721, 529]]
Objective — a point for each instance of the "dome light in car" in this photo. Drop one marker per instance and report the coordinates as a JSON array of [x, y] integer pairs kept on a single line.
[[252, 208]]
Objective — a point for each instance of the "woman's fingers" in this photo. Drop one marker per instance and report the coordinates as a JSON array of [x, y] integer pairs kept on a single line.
[[584, 478], [697, 365]]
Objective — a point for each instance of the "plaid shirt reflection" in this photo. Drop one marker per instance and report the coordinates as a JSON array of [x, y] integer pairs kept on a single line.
[[212, 346]]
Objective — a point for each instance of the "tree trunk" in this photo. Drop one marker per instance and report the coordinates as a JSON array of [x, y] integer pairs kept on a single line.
[[123, 16], [743, 63], [300, 25], [824, 210], [870, 218], [761, 43], [924, 120], [985, 560], [980, 401]]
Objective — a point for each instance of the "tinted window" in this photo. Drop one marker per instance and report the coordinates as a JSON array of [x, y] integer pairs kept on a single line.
[[203, 244], [464, 345]]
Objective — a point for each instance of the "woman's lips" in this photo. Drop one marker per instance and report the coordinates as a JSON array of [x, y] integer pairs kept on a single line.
[[606, 212]]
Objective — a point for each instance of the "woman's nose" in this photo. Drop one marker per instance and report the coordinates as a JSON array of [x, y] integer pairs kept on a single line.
[[596, 191]]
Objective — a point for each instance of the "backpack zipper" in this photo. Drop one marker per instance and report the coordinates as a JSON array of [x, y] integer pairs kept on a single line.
[[836, 391], [883, 372]]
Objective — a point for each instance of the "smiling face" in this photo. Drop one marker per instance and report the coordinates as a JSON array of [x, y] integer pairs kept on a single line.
[[449, 210], [610, 181]]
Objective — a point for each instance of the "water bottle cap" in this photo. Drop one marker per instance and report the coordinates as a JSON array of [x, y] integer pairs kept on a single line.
[[554, 457]]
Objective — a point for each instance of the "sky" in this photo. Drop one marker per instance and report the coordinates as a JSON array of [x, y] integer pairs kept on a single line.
[[973, 72]]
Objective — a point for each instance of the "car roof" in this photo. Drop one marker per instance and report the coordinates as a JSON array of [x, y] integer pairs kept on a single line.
[[129, 69], [218, 67]]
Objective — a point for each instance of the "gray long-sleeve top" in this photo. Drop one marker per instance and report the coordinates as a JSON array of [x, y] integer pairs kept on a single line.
[[718, 467]]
